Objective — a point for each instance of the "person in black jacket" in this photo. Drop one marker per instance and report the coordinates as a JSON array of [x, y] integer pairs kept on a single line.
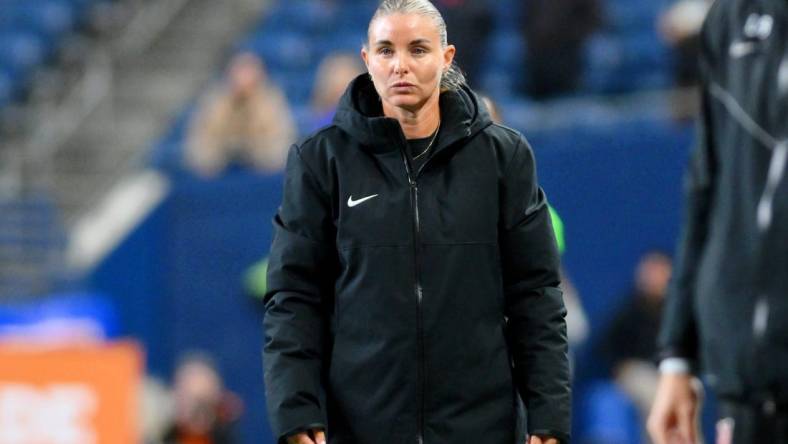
[[413, 277], [727, 311], [555, 34], [472, 47]]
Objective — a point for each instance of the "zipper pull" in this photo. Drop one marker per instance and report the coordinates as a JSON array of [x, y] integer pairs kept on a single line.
[[760, 317]]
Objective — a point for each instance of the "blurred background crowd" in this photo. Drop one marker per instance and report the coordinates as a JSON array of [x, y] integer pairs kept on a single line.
[[141, 149]]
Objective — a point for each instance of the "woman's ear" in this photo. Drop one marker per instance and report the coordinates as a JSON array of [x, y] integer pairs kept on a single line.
[[365, 57], [448, 56]]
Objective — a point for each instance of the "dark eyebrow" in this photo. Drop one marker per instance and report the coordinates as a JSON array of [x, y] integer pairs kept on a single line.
[[414, 42]]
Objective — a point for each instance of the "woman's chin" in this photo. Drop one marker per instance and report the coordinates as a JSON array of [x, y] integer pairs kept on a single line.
[[406, 101]]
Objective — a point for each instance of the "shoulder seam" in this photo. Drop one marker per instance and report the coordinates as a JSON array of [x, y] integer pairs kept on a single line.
[[320, 131], [313, 175], [508, 129], [516, 150]]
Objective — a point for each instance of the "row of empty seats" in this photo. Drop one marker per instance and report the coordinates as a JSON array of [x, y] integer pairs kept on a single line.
[[31, 33], [31, 237]]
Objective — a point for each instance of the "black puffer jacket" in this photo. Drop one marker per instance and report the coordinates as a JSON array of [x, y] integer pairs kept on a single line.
[[389, 288]]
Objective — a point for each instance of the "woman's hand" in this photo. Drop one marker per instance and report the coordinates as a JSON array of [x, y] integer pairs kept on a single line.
[[307, 438], [541, 440]]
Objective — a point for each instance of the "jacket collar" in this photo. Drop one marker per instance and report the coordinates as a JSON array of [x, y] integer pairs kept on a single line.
[[360, 114]]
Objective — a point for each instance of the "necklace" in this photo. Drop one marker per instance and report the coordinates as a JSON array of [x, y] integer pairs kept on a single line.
[[434, 136]]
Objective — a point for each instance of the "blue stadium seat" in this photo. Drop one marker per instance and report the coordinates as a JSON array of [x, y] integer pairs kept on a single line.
[[167, 154], [48, 18], [342, 42], [304, 15], [508, 15], [629, 17], [304, 119], [608, 416], [616, 64], [498, 82], [516, 112], [7, 87], [356, 17], [297, 85], [507, 50], [21, 51], [282, 51], [82, 7]]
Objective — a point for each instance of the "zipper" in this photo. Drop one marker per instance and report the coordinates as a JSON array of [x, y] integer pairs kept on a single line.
[[414, 202], [760, 318], [773, 179]]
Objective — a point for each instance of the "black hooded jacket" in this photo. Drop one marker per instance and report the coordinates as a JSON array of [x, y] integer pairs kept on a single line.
[[412, 306]]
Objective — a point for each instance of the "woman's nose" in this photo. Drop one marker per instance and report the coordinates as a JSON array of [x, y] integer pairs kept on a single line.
[[401, 64]]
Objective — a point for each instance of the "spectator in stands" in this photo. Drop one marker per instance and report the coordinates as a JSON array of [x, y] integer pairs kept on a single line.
[[333, 76], [679, 27], [630, 342], [245, 119], [472, 22], [204, 411], [555, 33]]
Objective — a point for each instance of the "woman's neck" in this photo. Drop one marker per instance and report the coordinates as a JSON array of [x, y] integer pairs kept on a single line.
[[419, 123]]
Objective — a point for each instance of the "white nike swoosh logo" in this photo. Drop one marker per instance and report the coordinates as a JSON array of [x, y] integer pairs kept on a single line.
[[352, 203], [741, 48]]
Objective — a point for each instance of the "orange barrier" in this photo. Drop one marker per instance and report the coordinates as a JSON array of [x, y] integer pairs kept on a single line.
[[85, 394]]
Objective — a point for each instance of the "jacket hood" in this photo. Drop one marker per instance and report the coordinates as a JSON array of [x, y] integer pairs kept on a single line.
[[360, 114]]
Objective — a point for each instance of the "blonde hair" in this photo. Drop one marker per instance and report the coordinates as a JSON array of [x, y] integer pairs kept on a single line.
[[453, 78]]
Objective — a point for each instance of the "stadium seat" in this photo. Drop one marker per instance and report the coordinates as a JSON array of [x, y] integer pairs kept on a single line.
[[168, 152], [631, 17], [307, 16], [7, 87], [47, 18], [609, 417], [508, 15], [507, 50], [356, 17], [282, 51], [297, 85], [81, 8], [616, 64], [342, 42], [498, 83], [21, 51]]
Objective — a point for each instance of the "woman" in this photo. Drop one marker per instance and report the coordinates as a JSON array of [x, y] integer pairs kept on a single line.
[[413, 274]]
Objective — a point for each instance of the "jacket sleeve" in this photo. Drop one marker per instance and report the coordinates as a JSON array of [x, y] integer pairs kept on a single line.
[[678, 334], [300, 287], [534, 305]]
